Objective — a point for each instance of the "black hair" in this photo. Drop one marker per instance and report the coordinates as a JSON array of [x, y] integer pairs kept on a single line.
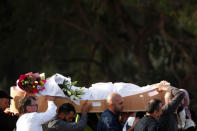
[[66, 108], [140, 114], [153, 105]]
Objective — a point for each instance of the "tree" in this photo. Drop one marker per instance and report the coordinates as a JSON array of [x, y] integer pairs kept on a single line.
[[138, 41]]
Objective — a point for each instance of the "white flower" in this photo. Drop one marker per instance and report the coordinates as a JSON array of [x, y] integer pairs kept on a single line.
[[72, 97], [76, 98], [42, 76], [68, 80]]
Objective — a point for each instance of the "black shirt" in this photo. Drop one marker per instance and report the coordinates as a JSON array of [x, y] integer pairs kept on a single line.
[[7, 122], [147, 123], [168, 119]]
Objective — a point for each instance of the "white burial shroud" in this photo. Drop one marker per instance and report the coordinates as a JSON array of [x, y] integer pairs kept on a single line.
[[97, 91]]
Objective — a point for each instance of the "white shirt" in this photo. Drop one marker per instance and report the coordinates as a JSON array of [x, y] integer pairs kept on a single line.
[[33, 121], [129, 122]]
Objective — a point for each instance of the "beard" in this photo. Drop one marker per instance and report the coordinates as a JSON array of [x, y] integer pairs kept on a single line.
[[117, 110]]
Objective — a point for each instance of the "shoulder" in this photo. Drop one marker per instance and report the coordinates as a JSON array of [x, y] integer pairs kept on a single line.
[[147, 120], [107, 113], [147, 123], [110, 121], [28, 116], [59, 124], [54, 121]]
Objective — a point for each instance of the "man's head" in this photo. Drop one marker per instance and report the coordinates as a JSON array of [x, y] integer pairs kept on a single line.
[[154, 107], [66, 112], [4, 100], [115, 103], [28, 104]]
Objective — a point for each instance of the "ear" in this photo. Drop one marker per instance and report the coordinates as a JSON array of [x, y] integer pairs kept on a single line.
[[28, 108], [155, 112], [61, 115], [111, 105]]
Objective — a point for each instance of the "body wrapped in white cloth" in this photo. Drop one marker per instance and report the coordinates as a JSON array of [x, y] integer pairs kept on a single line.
[[97, 91], [135, 97]]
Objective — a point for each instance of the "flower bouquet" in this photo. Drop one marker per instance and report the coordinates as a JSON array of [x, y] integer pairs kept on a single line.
[[31, 82], [57, 85], [66, 87]]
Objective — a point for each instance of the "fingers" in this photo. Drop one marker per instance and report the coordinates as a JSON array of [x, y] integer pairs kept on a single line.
[[164, 83], [25, 94], [163, 86], [50, 98], [86, 107], [7, 111], [86, 101], [89, 106]]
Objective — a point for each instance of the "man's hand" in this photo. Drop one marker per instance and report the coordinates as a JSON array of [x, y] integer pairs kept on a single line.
[[86, 107], [164, 83], [50, 98], [163, 86], [7, 111]]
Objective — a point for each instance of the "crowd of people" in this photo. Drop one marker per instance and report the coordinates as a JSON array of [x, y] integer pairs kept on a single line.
[[171, 115]]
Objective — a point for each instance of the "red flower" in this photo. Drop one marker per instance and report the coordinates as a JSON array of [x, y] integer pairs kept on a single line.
[[44, 81], [34, 90], [22, 77], [30, 82]]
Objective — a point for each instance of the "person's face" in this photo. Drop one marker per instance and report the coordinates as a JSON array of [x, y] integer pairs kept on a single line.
[[69, 116], [4, 103], [158, 113], [118, 105], [33, 107]]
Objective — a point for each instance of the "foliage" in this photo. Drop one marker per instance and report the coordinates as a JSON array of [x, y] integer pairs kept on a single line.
[[68, 91], [137, 41]]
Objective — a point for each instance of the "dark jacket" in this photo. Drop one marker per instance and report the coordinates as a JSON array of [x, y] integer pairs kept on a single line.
[[147, 123], [57, 124], [108, 122], [168, 119], [7, 122]]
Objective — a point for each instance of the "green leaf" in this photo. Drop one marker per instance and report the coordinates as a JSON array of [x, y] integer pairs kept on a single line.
[[69, 93], [74, 83]]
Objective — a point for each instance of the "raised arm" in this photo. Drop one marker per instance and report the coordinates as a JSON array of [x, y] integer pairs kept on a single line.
[[50, 112], [177, 97]]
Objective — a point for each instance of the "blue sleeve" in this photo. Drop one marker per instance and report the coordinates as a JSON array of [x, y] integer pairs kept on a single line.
[[108, 124]]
